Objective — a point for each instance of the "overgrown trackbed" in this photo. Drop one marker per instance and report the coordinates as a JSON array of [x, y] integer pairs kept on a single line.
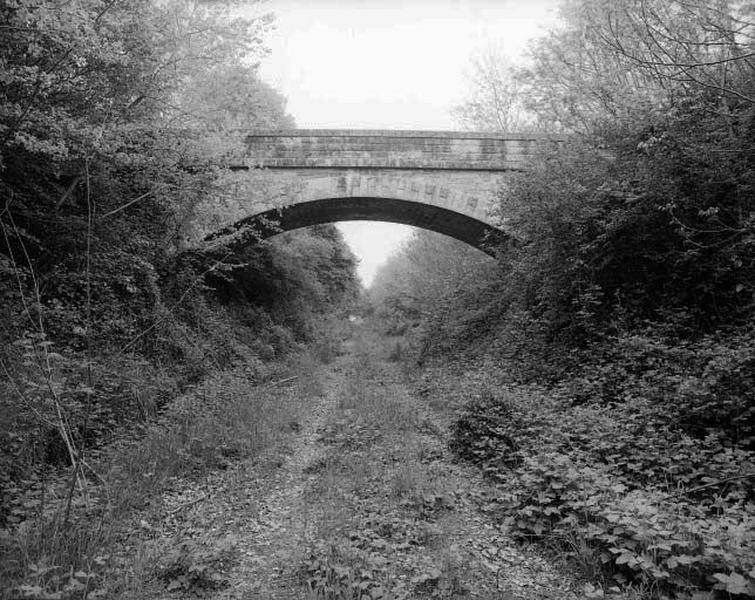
[[362, 501]]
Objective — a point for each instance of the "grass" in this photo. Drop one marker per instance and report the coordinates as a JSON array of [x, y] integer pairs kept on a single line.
[[226, 418], [378, 502]]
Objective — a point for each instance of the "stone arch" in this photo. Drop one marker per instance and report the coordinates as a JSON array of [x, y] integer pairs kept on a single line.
[[462, 227]]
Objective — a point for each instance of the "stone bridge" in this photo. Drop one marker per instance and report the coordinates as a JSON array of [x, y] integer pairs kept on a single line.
[[443, 181]]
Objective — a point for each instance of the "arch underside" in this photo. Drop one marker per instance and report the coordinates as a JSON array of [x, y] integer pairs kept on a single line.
[[331, 210]]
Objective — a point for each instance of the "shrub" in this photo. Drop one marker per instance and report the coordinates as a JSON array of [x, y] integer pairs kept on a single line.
[[620, 488], [697, 385]]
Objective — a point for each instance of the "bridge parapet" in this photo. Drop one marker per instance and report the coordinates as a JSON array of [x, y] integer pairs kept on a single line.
[[375, 149]]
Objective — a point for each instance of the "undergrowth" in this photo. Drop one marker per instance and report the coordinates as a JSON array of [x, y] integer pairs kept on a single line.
[[624, 489], [55, 551], [377, 502]]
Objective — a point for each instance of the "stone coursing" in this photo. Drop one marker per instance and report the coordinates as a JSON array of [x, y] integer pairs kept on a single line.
[[434, 179]]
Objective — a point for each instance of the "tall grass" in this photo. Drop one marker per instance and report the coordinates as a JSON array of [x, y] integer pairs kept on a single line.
[[227, 418]]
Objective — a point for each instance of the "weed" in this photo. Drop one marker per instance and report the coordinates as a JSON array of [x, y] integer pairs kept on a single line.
[[196, 566], [225, 419], [625, 496], [408, 481], [397, 352]]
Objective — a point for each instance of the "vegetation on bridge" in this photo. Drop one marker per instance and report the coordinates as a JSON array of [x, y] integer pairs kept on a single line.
[[606, 364]]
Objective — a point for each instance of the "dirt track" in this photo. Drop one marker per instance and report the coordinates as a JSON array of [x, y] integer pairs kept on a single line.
[[363, 500]]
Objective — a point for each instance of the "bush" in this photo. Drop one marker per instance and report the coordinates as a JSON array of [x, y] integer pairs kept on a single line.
[[701, 385], [619, 487], [644, 536]]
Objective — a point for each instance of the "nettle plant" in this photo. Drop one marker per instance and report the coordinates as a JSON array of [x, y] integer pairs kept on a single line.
[[631, 500], [344, 571], [650, 537]]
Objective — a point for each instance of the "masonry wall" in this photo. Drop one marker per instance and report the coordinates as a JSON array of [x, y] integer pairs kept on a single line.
[[389, 149]]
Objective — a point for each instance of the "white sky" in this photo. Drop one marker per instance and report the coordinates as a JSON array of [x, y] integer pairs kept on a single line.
[[387, 64]]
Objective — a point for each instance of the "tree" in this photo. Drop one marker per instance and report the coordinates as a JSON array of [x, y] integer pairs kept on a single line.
[[292, 276], [108, 115], [633, 61], [688, 42], [95, 181], [645, 215], [496, 98], [630, 288], [231, 96], [435, 286]]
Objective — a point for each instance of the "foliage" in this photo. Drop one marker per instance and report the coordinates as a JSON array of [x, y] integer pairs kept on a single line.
[[620, 489], [343, 573], [627, 65], [700, 386], [312, 269], [110, 122], [611, 399], [232, 97], [195, 566], [230, 416], [425, 280], [642, 221]]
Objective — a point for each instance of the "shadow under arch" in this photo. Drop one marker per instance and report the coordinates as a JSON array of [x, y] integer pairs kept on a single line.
[[467, 229]]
